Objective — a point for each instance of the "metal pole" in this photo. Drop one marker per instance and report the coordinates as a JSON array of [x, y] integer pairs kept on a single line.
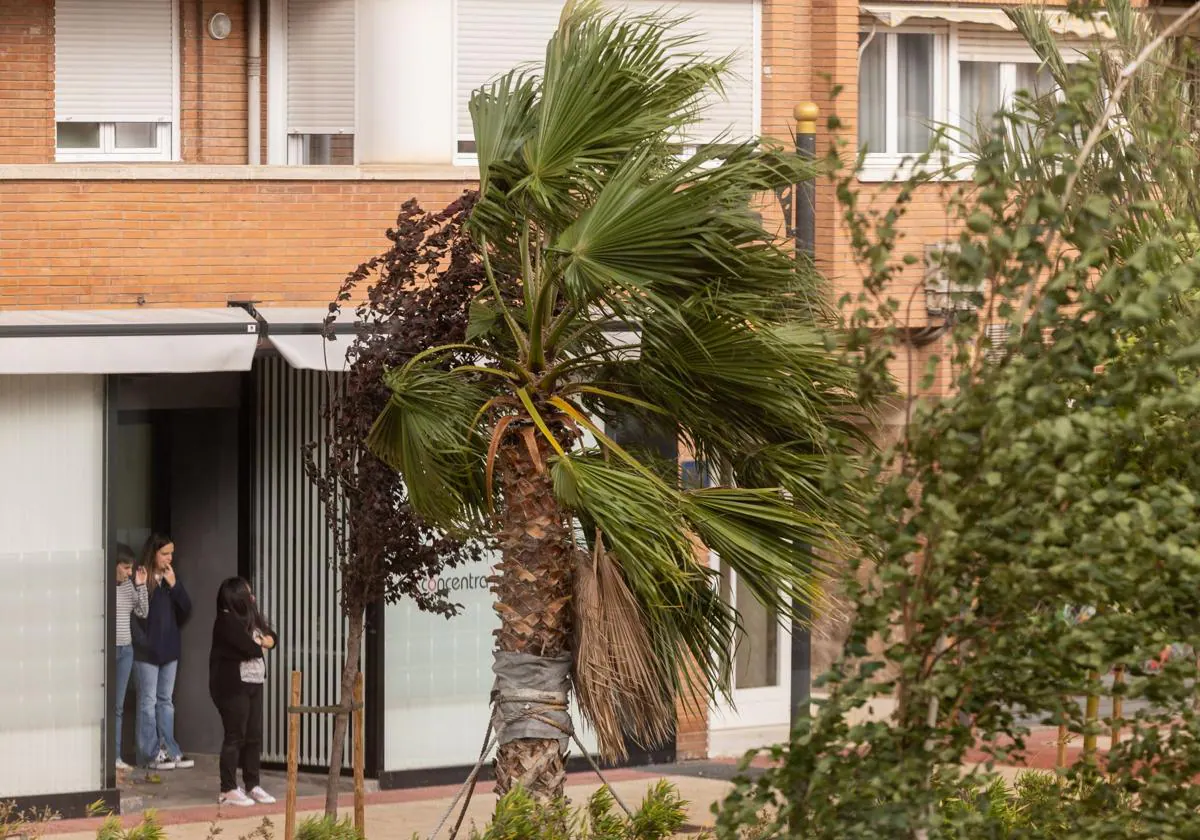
[[806, 115]]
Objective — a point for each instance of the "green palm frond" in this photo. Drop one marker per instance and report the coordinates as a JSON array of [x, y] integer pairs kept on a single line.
[[766, 539], [643, 525], [427, 432], [611, 85]]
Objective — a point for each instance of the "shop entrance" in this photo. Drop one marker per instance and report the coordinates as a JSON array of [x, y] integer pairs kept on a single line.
[[176, 472]]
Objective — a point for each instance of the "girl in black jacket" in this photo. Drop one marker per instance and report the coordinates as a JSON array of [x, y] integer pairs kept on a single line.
[[236, 670]]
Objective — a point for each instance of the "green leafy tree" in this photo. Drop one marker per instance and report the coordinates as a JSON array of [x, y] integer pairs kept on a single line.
[[1064, 471], [624, 280]]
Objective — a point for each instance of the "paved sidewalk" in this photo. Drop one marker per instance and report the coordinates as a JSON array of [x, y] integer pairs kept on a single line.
[[398, 814]]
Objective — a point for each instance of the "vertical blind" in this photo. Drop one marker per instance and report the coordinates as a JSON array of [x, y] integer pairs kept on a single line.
[[320, 66], [293, 558], [493, 36], [114, 61], [52, 604]]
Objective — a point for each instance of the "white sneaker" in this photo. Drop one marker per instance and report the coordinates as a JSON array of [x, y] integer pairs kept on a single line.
[[261, 796], [183, 763], [121, 765], [235, 797], [162, 764]]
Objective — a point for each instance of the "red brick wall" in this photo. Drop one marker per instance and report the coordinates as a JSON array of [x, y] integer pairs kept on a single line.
[[193, 243], [691, 736], [213, 84], [26, 81]]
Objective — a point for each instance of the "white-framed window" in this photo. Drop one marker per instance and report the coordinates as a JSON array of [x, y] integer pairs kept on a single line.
[[991, 69], [116, 80], [493, 36], [312, 82], [901, 93], [913, 81]]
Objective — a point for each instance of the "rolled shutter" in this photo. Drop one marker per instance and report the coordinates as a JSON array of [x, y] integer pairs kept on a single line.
[[320, 66], [723, 28], [114, 61], [981, 43], [985, 43], [493, 37], [496, 35]]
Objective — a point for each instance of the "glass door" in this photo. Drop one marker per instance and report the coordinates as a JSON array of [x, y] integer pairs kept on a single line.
[[761, 679]]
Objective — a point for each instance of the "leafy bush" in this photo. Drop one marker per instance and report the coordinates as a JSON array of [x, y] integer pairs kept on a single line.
[[148, 828], [519, 817], [327, 828], [1061, 472], [29, 825]]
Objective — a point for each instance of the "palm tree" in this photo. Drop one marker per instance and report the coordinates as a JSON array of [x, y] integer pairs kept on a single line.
[[623, 280]]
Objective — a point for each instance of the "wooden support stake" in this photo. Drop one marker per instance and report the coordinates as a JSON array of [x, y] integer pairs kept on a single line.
[[360, 752], [293, 767], [1091, 716], [1118, 705]]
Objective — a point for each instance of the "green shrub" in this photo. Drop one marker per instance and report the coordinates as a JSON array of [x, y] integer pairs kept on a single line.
[[29, 825], [327, 828], [519, 817], [147, 829]]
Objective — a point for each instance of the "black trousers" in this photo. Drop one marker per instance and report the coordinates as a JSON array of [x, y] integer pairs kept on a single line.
[[242, 717]]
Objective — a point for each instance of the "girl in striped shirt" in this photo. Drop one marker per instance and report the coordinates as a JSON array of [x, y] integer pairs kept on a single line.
[[131, 599]]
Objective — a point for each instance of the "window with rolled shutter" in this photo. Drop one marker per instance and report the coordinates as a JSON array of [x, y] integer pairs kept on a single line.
[[493, 36], [114, 78], [320, 81]]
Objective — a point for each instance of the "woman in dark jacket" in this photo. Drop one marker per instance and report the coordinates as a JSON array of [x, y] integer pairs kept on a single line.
[[156, 648], [236, 671]]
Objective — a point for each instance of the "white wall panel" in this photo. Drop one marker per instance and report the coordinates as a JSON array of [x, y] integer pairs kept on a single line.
[[52, 561]]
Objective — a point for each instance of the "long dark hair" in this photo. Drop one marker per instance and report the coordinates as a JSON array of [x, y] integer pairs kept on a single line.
[[234, 597], [150, 558]]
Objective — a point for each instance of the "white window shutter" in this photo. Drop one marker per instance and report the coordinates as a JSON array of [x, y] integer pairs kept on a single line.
[[320, 66], [493, 37], [981, 43], [496, 35], [723, 28], [114, 61]]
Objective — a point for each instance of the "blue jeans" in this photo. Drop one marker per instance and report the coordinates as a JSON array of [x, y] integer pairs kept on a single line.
[[156, 711], [124, 669]]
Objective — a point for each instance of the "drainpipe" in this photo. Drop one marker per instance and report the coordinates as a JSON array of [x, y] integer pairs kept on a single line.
[[253, 82]]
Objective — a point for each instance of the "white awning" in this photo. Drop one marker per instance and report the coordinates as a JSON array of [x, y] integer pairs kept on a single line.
[[298, 335], [100, 341], [1061, 23]]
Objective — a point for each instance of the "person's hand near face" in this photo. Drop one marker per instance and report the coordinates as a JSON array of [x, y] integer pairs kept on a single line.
[[169, 576], [139, 577]]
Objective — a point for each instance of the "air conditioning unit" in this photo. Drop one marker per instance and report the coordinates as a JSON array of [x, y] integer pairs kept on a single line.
[[997, 341], [942, 296]]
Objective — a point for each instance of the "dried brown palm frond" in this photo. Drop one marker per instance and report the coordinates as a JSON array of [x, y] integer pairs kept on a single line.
[[621, 690]]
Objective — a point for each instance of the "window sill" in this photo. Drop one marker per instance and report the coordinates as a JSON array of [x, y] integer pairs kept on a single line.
[[877, 169], [201, 172]]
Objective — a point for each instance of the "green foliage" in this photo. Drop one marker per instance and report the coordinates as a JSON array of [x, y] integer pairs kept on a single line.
[[327, 828], [30, 824], [147, 828], [1063, 471], [519, 817]]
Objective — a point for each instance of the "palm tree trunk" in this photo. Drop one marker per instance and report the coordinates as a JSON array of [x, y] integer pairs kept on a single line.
[[341, 723], [532, 587]]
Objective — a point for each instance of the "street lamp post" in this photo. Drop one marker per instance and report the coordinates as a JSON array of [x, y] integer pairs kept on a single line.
[[803, 197]]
